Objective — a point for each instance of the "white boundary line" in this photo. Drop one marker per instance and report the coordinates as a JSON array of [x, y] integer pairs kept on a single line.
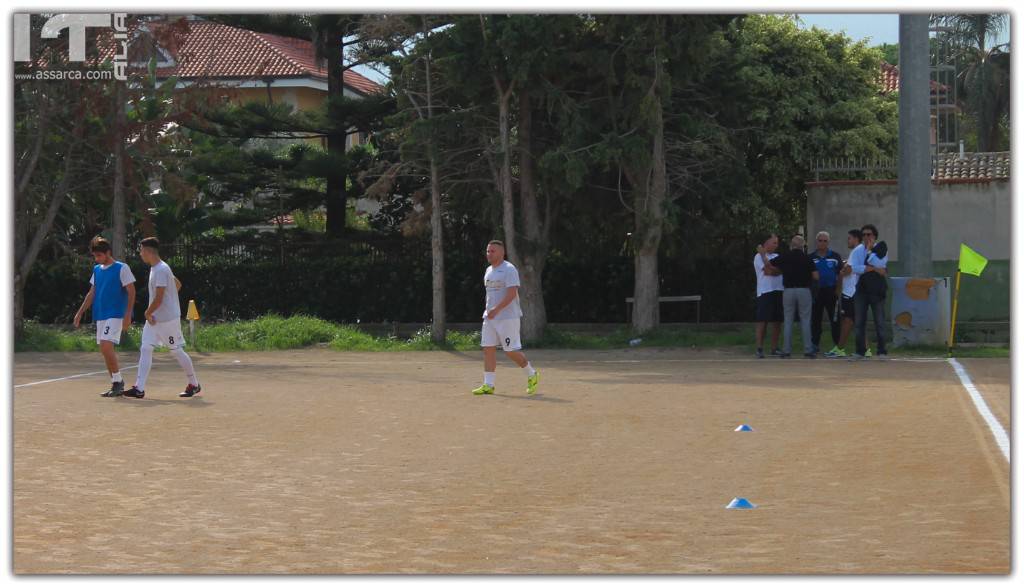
[[1002, 440], [71, 377]]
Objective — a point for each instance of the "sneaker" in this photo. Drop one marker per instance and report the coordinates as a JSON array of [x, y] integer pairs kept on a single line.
[[778, 353], [811, 355], [815, 348], [191, 391], [135, 393], [116, 389], [485, 389], [867, 353], [531, 382], [783, 355], [883, 355], [836, 352], [856, 357], [760, 353]]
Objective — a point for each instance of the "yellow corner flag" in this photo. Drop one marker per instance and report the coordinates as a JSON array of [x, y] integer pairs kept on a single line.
[[193, 312], [971, 262]]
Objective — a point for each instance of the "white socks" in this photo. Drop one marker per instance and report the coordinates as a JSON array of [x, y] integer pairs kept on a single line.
[[489, 376], [116, 377], [146, 362], [186, 364]]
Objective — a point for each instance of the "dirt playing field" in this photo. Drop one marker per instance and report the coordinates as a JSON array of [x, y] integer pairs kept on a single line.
[[324, 462]]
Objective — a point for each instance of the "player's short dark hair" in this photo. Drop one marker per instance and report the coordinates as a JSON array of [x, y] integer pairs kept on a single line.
[[871, 228], [151, 243], [769, 235], [99, 245], [496, 242], [856, 234]]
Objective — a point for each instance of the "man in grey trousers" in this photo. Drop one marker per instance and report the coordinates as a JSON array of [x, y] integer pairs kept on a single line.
[[798, 273]]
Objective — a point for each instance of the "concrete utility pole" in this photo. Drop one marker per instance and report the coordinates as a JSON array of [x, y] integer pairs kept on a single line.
[[915, 212]]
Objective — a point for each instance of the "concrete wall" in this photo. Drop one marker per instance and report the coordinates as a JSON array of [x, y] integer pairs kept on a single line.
[[975, 213]]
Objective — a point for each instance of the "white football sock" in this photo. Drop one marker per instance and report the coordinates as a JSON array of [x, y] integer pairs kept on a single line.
[[186, 364], [489, 378], [529, 369], [145, 363], [116, 377]]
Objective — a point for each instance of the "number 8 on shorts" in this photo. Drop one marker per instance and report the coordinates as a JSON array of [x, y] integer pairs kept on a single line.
[[166, 334]]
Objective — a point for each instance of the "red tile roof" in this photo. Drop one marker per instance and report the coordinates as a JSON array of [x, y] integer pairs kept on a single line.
[[214, 51], [889, 79], [285, 219], [974, 166]]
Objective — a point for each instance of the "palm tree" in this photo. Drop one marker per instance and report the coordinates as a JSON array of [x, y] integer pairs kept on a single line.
[[984, 78]]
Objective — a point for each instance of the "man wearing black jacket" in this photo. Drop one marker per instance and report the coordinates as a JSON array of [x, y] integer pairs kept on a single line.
[[871, 290]]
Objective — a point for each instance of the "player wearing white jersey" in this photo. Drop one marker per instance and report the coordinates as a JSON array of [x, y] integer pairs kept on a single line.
[[501, 319], [163, 322]]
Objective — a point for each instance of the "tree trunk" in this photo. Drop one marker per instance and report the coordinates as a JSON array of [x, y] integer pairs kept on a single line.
[[534, 247], [437, 323], [19, 307], [650, 218], [337, 197], [508, 217], [118, 216], [23, 262]]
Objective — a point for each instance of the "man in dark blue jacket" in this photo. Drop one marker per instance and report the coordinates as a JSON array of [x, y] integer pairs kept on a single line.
[[829, 263]]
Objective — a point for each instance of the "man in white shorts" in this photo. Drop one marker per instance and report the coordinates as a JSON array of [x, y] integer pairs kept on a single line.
[[111, 297], [163, 322], [501, 319]]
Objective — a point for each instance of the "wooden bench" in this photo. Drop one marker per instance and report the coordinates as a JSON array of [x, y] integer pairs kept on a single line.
[[693, 298]]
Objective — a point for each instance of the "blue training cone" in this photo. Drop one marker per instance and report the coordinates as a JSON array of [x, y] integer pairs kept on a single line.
[[741, 504], [743, 428]]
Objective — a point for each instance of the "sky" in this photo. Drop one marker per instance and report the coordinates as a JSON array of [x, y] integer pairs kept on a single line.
[[879, 28]]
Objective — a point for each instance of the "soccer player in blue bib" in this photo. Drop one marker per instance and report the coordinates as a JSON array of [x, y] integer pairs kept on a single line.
[[111, 297]]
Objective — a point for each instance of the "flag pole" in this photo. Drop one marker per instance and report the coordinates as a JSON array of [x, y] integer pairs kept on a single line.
[[956, 300]]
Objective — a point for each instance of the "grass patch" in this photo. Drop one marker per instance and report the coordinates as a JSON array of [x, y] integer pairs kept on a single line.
[[274, 333], [266, 333], [50, 338], [271, 332]]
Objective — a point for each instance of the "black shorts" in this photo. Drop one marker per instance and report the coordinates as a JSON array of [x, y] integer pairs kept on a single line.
[[846, 308], [769, 307]]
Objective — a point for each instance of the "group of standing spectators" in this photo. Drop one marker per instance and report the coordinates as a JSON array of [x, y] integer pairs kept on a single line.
[[794, 284]]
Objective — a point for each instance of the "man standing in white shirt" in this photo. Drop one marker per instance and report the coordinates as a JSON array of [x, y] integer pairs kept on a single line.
[[848, 282], [163, 322], [769, 294], [501, 319]]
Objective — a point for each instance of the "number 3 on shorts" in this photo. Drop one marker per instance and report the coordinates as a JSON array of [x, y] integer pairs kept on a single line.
[[106, 330]]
